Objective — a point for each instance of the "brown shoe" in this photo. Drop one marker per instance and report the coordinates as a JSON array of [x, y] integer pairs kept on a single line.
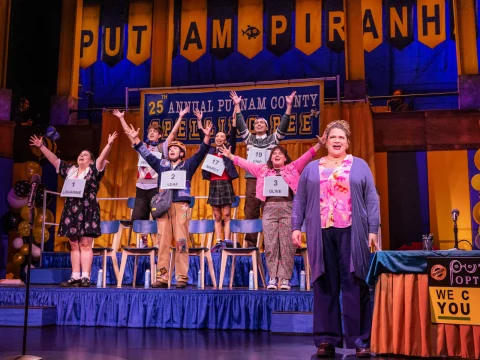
[[159, 284], [181, 285], [325, 350], [363, 352]]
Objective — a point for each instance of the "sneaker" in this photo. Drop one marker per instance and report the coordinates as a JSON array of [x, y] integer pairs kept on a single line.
[[272, 284], [71, 283], [285, 285], [85, 282]]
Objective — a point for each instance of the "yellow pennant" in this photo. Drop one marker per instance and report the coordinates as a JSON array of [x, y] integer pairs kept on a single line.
[[139, 31], [372, 24], [431, 22], [89, 35], [250, 27], [193, 29], [308, 26]]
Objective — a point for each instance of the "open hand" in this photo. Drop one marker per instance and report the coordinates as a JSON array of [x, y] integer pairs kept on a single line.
[[289, 98], [208, 128], [36, 141], [236, 99], [119, 114], [184, 111], [198, 114], [225, 151], [132, 132], [112, 137]]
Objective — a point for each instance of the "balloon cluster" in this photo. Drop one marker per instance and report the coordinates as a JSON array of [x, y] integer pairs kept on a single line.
[[475, 182], [49, 141]]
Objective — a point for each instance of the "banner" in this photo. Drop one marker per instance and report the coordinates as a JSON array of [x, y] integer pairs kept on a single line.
[[335, 25], [193, 29], [113, 22], [89, 35], [431, 22], [308, 25], [372, 24], [140, 31], [221, 14], [250, 27], [279, 25], [400, 23], [216, 105], [454, 288]]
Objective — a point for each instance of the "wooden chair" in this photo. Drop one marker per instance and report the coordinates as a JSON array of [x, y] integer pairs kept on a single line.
[[244, 227], [304, 254], [128, 224], [235, 207], [148, 227], [106, 228]]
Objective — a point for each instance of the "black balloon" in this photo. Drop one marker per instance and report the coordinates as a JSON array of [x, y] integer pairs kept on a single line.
[[22, 188], [39, 196], [12, 220]]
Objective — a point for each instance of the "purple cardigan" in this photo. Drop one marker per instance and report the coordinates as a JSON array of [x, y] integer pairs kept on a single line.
[[365, 215]]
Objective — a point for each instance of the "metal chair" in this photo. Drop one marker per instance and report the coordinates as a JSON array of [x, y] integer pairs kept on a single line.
[[304, 254], [148, 227], [244, 227], [106, 228]]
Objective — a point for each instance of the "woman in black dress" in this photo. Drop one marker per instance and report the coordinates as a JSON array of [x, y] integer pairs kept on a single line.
[[80, 220]]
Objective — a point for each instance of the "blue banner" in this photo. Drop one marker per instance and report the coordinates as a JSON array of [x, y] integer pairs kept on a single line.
[[216, 105]]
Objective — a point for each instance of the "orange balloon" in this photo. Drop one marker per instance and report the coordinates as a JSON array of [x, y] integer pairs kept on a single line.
[[476, 182], [48, 218], [24, 228], [476, 213], [18, 259], [24, 249], [25, 213], [31, 168], [37, 235], [476, 159]]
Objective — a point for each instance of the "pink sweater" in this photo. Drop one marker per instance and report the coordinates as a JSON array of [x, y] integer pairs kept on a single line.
[[290, 173]]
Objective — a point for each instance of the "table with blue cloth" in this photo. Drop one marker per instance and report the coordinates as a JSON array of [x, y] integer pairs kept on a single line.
[[401, 317]]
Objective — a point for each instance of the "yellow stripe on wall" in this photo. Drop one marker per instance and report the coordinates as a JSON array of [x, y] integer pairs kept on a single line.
[[448, 188], [381, 172]]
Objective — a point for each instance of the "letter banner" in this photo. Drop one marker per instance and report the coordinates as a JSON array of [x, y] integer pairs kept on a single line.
[[139, 31], [89, 35], [113, 22], [308, 25], [221, 14], [216, 106], [250, 27], [193, 29], [454, 288], [431, 22], [400, 23], [335, 25], [279, 25], [372, 24]]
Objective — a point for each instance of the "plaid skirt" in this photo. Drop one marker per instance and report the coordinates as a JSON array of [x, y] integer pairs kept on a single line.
[[221, 193]]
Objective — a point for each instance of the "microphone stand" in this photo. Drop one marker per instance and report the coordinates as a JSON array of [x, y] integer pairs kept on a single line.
[[455, 233]]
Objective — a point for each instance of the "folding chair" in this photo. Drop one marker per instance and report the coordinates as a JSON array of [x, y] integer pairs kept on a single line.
[[304, 254], [244, 227], [106, 228], [148, 227]]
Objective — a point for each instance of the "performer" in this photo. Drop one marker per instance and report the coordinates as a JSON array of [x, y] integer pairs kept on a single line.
[[339, 191], [147, 177], [80, 220], [259, 147], [277, 210], [221, 195], [174, 223]]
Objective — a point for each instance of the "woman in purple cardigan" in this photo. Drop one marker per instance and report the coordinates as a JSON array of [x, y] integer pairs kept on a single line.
[[339, 190]]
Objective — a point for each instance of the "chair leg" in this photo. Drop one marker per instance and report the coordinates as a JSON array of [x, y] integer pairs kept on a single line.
[[307, 270], [260, 268], [202, 269], [211, 269], [122, 269], [232, 271], [113, 255], [171, 266], [104, 268], [255, 270], [222, 269], [152, 267], [135, 272]]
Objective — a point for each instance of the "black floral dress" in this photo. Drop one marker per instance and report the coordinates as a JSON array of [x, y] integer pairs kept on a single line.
[[81, 216]]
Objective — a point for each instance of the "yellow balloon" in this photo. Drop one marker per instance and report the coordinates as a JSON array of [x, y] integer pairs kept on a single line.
[[25, 213], [37, 235], [24, 228], [476, 159], [18, 259], [48, 218], [24, 249], [476, 182], [476, 213], [31, 168]]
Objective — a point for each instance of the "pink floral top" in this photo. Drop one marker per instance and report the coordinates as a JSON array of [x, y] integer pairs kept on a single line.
[[335, 200]]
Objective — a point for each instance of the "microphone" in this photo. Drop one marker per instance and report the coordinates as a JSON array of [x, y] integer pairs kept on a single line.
[[33, 191], [455, 214]]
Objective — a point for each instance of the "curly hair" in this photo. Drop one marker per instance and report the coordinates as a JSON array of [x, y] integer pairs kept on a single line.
[[156, 127], [284, 152], [339, 124]]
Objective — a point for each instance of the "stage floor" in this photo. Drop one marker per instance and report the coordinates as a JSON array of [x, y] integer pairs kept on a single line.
[[190, 308]]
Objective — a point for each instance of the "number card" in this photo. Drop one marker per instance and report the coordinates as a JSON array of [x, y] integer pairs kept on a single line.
[[214, 164], [175, 180], [73, 188], [258, 156], [143, 163], [275, 186]]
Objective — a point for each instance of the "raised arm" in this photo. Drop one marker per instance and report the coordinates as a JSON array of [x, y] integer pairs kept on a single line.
[[140, 147], [240, 121], [233, 130], [196, 159], [308, 156], [102, 159], [282, 128], [198, 114], [121, 116], [174, 131], [38, 142], [251, 167]]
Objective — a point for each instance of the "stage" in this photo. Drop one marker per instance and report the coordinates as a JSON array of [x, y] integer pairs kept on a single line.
[[190, 308]]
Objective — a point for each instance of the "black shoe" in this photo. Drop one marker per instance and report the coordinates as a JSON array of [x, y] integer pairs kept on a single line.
[[181, 285], [363, 352], [71, 283], [85, 282], [159, 284], [325, 350]]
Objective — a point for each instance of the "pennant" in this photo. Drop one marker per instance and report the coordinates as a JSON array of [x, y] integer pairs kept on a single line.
[[452, 19], [308, 25], [139, 31], [89, 35], [372, 24], [279, 25], [400, 23], [113, 22], [250, 27], [431, 22], [221, 14], [335, 25], [193, 29]]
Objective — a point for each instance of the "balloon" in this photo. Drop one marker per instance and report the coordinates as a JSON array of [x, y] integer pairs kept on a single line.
[[48, 218], [17, 243], [32, 168], [12, 220], [36, 251], [22, 188], [476, 213], [476, 182], [39, 196], [25, 213], [476, 159], [37, 235], [18, 259], [24, 249], [24, 228], [14, 201]]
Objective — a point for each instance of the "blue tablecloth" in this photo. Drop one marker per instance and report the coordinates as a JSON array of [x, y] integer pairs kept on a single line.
[[408, 262]]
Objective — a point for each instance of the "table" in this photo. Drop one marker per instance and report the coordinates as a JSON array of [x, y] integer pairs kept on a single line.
[[401, 317]]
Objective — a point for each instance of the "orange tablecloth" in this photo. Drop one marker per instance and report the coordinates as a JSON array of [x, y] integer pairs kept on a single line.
[[401, 322]]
